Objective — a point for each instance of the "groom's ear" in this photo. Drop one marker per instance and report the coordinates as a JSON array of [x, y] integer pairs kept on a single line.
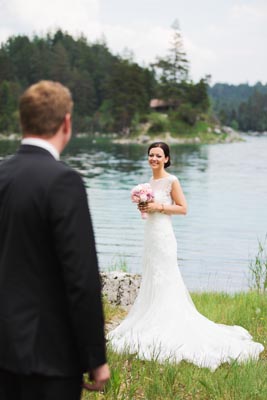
[[66, 129], [67, 123]]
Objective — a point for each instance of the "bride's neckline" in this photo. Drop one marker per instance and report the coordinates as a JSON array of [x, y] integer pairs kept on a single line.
[[158, 179]]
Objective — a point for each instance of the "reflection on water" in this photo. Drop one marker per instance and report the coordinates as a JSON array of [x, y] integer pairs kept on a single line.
[[225, 189]]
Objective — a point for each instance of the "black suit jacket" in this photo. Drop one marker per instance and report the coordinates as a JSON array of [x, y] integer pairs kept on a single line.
[[51, 319]]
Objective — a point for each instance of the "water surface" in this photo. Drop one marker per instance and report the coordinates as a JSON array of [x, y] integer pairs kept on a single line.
[[226, 189]]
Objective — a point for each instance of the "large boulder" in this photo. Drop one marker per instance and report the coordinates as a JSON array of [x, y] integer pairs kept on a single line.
[[120, 288]]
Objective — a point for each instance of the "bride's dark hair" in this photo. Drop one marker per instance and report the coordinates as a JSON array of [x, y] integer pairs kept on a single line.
[[165, 149]]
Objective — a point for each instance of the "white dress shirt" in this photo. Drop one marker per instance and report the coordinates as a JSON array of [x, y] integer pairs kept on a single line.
[[44, 144]]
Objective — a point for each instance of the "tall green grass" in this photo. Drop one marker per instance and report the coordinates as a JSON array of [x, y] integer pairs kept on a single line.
[[118, 263], [258, 268], [133, 379]]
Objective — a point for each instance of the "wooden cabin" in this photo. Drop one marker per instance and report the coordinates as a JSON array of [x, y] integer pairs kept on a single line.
[[163, 105]]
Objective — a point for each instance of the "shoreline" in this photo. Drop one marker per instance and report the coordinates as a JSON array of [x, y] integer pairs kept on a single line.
[[223, 135], [11, 137], [121, 288], [218, 135]]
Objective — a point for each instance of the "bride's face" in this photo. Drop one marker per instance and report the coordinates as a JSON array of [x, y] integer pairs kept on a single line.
[[156, 158]]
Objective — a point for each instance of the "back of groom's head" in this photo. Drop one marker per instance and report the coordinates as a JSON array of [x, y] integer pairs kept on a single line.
[[43, 107]]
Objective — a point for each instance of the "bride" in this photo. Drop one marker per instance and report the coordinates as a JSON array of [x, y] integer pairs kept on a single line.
[[163, 324]]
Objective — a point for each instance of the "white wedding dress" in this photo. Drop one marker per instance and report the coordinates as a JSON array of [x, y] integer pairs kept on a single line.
[[163, 323]]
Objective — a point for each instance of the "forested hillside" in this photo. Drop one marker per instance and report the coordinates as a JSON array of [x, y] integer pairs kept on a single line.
[[243, 107], [111, 93], [107, 89]]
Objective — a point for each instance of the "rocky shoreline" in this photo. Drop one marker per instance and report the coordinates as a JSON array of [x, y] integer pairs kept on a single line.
[[222, 134], [11, 136], [120, 288]]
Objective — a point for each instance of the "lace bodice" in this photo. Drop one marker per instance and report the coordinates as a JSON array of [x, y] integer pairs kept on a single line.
[[162, 189]]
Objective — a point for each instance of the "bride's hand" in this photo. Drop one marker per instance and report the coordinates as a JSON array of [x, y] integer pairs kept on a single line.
[[153, 207], [149, 207], [142, 206]]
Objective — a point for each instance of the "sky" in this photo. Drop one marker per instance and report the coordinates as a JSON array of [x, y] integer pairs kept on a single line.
[[222, 38]]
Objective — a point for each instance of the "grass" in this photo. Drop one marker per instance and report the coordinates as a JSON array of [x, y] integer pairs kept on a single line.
[[118, 263], [202, 131], [258, 268], [133, 379]]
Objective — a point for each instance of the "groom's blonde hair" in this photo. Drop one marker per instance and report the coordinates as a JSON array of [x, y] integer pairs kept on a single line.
[[43, 107]]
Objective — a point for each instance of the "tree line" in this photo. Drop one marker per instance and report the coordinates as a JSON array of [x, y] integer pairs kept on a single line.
[[111, 92], [243, 107]]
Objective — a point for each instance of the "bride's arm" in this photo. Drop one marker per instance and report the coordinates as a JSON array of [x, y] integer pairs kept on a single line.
[[178, 197]]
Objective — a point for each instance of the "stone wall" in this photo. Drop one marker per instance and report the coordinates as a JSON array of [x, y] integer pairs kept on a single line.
[[120, 288]]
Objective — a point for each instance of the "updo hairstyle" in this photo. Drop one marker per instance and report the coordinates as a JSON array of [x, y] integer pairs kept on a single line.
[[165, 149]]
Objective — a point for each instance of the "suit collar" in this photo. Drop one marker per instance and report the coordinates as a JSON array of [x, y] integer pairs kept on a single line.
[[41, 143], [31, 149]]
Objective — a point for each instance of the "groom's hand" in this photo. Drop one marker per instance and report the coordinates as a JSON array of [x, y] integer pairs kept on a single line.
[[98, 377]]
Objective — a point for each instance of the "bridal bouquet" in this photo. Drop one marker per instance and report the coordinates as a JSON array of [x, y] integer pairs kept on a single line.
[[142, 194]]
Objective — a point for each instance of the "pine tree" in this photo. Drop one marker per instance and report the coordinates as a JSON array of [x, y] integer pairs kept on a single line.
[[174, 68]]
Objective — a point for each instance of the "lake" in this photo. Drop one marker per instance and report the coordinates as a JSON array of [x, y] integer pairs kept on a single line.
[[226, 189]]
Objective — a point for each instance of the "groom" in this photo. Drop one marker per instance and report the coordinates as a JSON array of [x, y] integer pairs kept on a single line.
[[51, 318]]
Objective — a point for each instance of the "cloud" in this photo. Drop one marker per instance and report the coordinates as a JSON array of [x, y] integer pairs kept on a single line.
[[27, 16], [237, 42], [202, 58], [226, 41], [251, 12], [146, 42]]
